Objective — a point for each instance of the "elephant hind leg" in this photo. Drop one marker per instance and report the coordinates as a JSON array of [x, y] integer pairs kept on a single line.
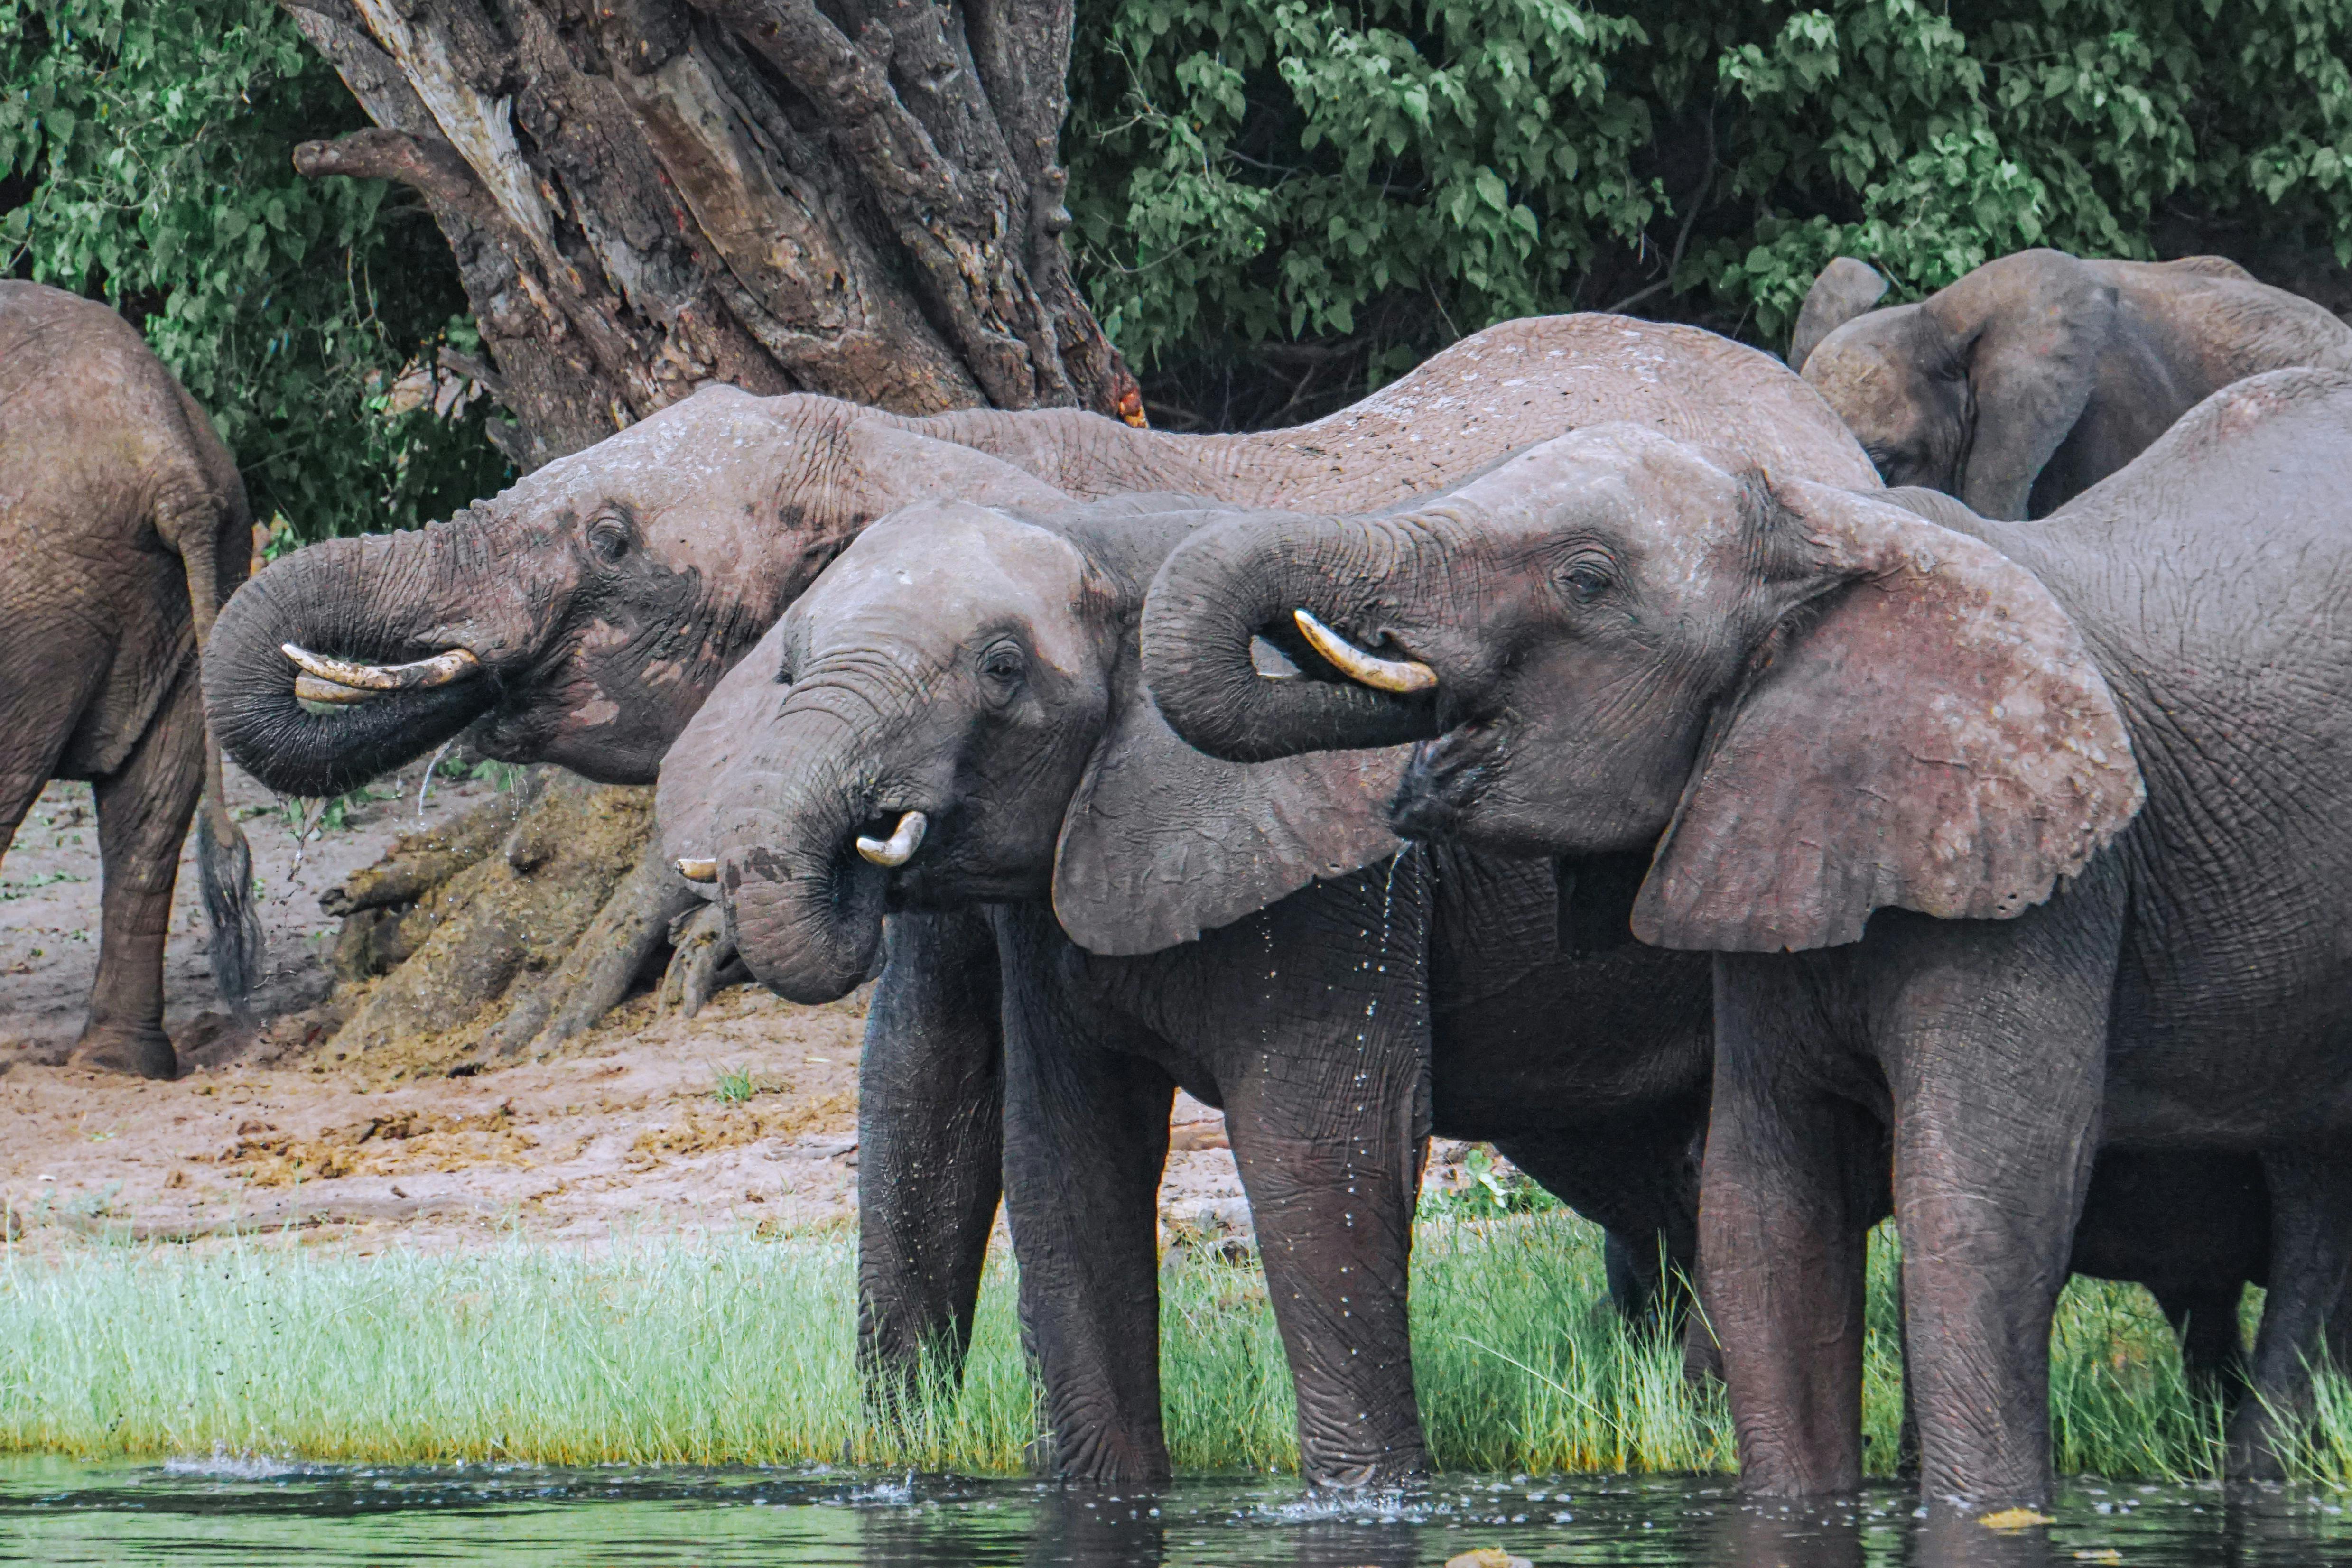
[[2310, 1276], [143, 810]]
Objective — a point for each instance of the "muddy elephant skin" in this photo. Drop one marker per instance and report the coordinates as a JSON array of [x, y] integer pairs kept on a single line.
[[124, 526], [2036, 376], [2010, 838], [586, 612]]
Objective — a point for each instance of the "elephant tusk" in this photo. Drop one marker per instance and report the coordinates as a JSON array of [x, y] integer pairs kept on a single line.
[[325, 680], [1403, 676], [899, 847], [695, 870]]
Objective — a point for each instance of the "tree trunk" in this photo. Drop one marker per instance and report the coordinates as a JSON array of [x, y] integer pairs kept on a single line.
[[645, 195], [862, 199]]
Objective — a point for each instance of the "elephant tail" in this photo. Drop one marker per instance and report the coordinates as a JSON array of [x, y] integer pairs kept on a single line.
[[223, 859], [225, 873]]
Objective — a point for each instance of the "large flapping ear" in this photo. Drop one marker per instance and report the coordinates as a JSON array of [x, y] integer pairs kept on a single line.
[[1845, 288], [1928, 734], [1162, 842], [2030, 328]]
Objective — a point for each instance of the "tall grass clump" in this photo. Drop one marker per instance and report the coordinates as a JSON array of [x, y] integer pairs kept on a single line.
[[730, 1349]]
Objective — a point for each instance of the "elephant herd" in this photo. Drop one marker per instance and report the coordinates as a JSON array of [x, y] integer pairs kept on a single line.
[[1575, 745]]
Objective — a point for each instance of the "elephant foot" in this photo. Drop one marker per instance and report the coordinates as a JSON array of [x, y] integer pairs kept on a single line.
[[143, 1050], [2255, 1450]]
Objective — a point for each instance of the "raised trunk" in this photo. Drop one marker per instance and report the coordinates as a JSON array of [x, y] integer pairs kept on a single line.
[[376, 599], [805, 906], [1246, 581], [861, 200]]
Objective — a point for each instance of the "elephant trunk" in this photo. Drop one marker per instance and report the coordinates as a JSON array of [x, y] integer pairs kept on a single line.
[[1232, 586], [805, 901], [334, 665]]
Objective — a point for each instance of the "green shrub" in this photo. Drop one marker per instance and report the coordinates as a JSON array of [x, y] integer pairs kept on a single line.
[[145, 160]]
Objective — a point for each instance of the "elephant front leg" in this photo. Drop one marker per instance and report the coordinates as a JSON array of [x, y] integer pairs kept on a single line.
[[1086, 1138], [2310, 1281], [931, 1120], [1785, 1206], [144, 812], [1992, 1036], [1333, 1211]]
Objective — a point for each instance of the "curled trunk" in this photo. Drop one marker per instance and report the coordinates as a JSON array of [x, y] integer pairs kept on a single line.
[[364, 600], [1232, 586], [805, 906]]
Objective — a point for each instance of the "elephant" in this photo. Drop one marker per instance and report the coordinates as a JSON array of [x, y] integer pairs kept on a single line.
[[949, 718], [582, 616], [124, 525], [1105, 1400], [2010, 839], [2036, 376]]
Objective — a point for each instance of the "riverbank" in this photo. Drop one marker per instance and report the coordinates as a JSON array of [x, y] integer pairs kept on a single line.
[[720, 1347]]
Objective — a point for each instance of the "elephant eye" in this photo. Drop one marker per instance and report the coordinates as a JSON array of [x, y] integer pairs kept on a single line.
[[1584, 581], [609, 538], [1004, 665]]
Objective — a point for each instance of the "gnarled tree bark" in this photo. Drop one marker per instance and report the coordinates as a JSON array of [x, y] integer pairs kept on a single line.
[[861, 198]]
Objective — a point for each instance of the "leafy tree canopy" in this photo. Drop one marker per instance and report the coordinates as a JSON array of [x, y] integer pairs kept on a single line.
[[1382, 176], [145, 153], [1277, 201]]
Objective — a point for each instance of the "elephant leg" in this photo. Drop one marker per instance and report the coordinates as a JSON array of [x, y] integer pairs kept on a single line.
[[1992, 1036], [2311, 1269], [1784, 1212], [930, 1138], [1085, 1139], [1639, 1184], [143, 810], [1331, 1183]]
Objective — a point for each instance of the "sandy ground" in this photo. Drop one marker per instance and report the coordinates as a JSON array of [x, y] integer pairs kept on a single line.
[[624, 1131]]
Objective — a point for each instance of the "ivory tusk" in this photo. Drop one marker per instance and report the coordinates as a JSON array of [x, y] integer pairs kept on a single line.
[[899, 847], [1400, 676], [695, 870], [310, 688], [341, 680]]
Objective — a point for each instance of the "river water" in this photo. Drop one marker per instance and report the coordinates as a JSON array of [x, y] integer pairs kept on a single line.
[[232, 1512]]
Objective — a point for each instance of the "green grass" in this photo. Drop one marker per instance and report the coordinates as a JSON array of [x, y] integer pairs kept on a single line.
[[738, 1350]]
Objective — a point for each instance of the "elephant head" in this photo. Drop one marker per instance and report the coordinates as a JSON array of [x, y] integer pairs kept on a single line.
[[582, 615], [952, 715], [1970, 389], [1813, 702]]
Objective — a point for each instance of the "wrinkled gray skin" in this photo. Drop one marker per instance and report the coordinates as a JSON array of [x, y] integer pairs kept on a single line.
[[2036, 376], [604, 593], [980, 668], [2010, 838], [123, 525]]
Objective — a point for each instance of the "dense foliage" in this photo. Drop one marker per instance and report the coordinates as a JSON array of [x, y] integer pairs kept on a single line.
[[1277, 201], [1380, 175], [144, 159]]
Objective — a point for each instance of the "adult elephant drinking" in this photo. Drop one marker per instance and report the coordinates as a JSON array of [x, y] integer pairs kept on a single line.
[[1891, 760], [2036, 376], [582, 616]]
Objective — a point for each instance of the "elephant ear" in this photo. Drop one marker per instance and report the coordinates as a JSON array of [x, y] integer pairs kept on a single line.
[[1927, 732], [2031, 326], [1162, 842], [1845, 288]]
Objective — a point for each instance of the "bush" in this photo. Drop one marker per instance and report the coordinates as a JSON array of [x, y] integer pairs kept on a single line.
[[1332, 191], [145, 160]]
